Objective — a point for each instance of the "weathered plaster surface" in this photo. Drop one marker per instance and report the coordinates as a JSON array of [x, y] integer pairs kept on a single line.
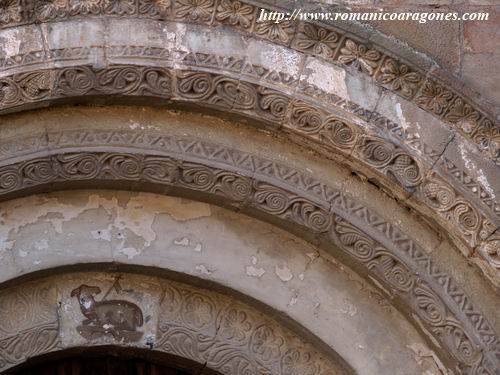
[[278, 269]]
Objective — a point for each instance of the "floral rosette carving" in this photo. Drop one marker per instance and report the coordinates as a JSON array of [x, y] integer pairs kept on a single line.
[[359, 56], [265, 344], [49, 10], [235, 325], [281, 32], [434, 98], [399, 77], [84, 7], [487, 136], [155, 8], [195, 10], [198, 311], [119, 7], [463, 115], [235, 13], [316, 40], [10, 11], [297, 362]]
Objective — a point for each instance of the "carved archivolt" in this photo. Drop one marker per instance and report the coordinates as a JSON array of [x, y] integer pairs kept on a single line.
[[231, 338], [404, 269], [28, 323], [208, 328], [334, 44], [393, 165]]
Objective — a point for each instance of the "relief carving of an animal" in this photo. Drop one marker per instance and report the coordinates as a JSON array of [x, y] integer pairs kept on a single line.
[[115, 315]]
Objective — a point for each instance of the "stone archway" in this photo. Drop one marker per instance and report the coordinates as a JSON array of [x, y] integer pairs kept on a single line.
[[239, 115], [251, 179]]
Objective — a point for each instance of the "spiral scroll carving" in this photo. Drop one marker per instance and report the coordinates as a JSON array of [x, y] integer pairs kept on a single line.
[[305, 205], [250, 100], [392, 161], [406, 284]]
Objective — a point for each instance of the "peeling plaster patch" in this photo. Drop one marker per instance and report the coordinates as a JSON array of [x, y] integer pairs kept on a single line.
[[129, 252], [182, 242], [36, 208], [101, 234], [22, 253], [330, 79], [402, 120], [203, 269], [6, 245], [254, 271], [283, 272], [198, 248], [301, 277], [41, 244], [294, 299], [349, 308], [428, 360], [138, 217], [37, 262]]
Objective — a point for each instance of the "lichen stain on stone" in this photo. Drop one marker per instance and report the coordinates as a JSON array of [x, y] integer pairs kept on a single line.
[[465, 150], [10, 42], [402, 119], [274, 57], [327, 78]]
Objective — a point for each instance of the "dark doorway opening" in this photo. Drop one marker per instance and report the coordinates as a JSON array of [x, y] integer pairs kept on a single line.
[[100, 366]]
